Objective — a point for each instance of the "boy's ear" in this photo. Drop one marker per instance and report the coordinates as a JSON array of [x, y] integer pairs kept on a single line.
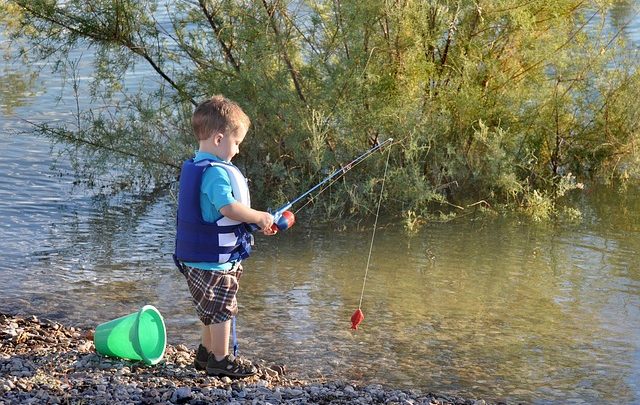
[[217, 138]]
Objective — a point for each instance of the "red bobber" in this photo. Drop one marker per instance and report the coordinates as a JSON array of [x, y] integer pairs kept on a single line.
[[356, 318]]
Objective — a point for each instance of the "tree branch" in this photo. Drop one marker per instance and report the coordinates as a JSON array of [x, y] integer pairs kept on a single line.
[[216, 30], [340, 27], [101, 37], [271, 10], [452, 29]]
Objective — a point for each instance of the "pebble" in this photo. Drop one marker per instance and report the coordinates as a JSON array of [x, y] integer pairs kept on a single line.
[[294, 392], [29, 345], [182, 394], [276, 396]]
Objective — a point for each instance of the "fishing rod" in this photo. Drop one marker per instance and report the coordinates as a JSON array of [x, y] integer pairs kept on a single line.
[[284, 219]]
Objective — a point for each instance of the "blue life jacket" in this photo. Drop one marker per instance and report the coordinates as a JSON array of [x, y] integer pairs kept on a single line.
[[223, 241]]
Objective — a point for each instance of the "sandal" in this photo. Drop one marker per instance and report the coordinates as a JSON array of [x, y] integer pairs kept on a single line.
[[230, 366]]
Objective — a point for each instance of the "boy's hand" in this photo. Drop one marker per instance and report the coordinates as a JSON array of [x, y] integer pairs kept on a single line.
[[264, 221]]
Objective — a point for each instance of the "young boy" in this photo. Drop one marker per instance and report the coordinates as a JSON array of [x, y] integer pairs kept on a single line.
[[212, 235]]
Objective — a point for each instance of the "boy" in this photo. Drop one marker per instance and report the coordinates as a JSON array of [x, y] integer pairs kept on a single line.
[[212, 235]]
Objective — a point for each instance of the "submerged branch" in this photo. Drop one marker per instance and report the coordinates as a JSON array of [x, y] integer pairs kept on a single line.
[[67, 136]]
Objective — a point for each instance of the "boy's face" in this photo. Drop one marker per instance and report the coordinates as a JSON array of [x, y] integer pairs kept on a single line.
[[228, 145]]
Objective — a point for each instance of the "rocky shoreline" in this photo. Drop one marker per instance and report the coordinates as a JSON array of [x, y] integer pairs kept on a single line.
[[42, 361]]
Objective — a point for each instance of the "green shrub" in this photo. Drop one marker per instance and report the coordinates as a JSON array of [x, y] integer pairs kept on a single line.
[[491, 104]]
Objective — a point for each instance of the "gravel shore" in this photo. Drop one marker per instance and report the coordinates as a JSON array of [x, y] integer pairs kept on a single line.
[[42, 361]]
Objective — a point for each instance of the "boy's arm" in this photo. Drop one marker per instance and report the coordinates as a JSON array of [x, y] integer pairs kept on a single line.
[[240, 212], [217, 187]]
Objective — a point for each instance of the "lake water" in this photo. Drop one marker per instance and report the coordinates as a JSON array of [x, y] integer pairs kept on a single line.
[[490, 308]]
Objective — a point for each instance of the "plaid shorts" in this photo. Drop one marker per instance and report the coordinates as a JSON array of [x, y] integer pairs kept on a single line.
[[214, 292]]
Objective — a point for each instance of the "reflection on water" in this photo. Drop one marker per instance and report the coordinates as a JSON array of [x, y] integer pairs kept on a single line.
[[624, 18], [494, 308]]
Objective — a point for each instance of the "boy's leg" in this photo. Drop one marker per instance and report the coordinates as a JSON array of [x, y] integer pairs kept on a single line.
[[214, 295], [218, 334], [220, 362], [206, 337], [203, 351]]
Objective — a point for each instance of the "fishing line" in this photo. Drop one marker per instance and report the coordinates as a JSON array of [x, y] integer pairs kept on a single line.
[[344, 171], [375, 224], [358, 316], [283, 218]]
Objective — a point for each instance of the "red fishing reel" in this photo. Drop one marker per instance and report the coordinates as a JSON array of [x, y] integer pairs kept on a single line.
[[283, 222]]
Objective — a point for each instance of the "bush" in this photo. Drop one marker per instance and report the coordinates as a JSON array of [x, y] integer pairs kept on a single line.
[[494, 104]]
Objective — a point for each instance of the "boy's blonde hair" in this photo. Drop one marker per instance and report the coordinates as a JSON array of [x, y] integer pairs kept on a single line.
[[218, 114]]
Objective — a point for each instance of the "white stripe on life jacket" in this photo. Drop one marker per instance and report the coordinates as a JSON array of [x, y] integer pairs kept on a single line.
[[241, 194]]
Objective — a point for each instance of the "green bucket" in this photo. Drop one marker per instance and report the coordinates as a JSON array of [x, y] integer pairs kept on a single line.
[[137, 336]]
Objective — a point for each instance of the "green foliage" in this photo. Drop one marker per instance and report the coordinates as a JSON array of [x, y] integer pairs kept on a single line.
[[491, 103]]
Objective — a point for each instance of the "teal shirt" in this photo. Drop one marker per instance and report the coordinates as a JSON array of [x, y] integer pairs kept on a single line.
[[215, 193]]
